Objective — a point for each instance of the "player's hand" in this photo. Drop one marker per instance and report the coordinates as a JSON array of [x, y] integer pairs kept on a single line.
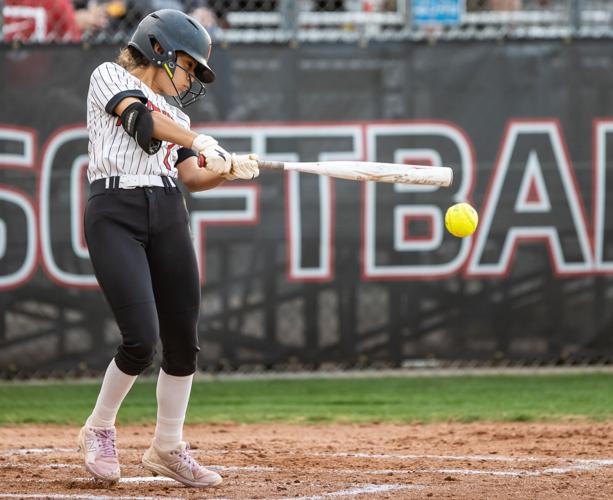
[[217, 160], [243, 167], [203, 142]]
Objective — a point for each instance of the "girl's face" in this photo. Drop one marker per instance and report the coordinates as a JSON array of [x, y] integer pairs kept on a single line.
[[182, 78]]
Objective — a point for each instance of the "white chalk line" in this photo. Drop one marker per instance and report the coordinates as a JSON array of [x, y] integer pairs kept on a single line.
[[17, 465], [486, 458], [44, 451], [225, 468], [484, 472], [36, 451], [74, 481], [359, 490], [469, 458], [573, 464], [503, 473], [143, 479], [469, 472]]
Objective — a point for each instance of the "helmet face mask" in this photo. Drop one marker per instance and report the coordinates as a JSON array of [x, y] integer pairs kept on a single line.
[[193, 93], [175, 32]]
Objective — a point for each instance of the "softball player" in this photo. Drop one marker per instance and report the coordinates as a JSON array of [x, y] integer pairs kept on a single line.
[[137, 230]]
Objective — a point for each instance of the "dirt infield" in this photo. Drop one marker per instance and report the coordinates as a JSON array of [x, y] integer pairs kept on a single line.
[[451, 460]]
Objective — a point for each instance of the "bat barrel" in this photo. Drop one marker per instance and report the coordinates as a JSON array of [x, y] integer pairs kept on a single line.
[[394, 173]]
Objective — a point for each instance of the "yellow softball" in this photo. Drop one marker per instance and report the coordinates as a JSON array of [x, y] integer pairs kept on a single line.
[[461, 220]]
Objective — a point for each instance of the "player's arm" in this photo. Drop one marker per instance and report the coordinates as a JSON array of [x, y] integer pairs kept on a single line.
[[148, 128], [195, 178], [163, 128]]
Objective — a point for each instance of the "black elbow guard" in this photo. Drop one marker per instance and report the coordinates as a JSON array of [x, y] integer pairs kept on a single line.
[[138, 123]]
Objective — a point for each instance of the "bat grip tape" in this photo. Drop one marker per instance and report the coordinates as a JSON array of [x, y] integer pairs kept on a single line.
[[271, 165]]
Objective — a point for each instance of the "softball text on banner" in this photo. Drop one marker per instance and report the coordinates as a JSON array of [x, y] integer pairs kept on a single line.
[[304, 267]]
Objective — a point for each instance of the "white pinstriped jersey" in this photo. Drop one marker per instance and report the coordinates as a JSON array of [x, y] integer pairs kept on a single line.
[[111, 150]]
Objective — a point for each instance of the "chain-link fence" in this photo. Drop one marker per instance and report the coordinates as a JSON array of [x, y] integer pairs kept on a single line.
[[249, 21]]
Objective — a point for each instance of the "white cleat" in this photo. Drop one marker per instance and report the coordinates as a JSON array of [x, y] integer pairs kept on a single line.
[[179, 465], [97, 445]]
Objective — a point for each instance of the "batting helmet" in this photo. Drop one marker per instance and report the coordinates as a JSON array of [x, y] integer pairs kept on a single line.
[[174, 31]]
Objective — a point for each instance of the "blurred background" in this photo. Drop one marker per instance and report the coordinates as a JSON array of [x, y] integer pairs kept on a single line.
[[44, 21], [304, 272]]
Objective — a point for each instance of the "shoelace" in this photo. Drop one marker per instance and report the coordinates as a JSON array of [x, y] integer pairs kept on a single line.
[[187, 459], [106, 442]]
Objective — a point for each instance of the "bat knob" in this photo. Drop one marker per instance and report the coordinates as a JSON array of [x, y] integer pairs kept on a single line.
[[201, 161]]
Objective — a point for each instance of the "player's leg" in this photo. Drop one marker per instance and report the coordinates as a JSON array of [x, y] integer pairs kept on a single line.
[[177, 293], [176, 286], [116, 229], [115, 238]]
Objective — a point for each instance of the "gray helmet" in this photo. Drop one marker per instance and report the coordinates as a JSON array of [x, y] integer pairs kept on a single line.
[[174, 31]]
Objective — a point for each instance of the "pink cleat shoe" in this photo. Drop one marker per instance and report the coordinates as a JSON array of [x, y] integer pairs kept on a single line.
[[180, 466], [97, 444]]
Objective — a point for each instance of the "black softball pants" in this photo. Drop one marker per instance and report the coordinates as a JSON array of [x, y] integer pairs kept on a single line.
[[141, 248]]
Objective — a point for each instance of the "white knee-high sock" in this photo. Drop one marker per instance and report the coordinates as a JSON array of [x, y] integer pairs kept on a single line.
[[172, 396], [115, 386]]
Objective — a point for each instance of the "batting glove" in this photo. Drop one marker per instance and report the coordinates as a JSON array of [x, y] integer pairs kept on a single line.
[[202, 142], [243, 167], [216, 160]]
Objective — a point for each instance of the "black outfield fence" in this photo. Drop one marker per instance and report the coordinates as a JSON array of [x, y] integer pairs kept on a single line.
[[302, 270]]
